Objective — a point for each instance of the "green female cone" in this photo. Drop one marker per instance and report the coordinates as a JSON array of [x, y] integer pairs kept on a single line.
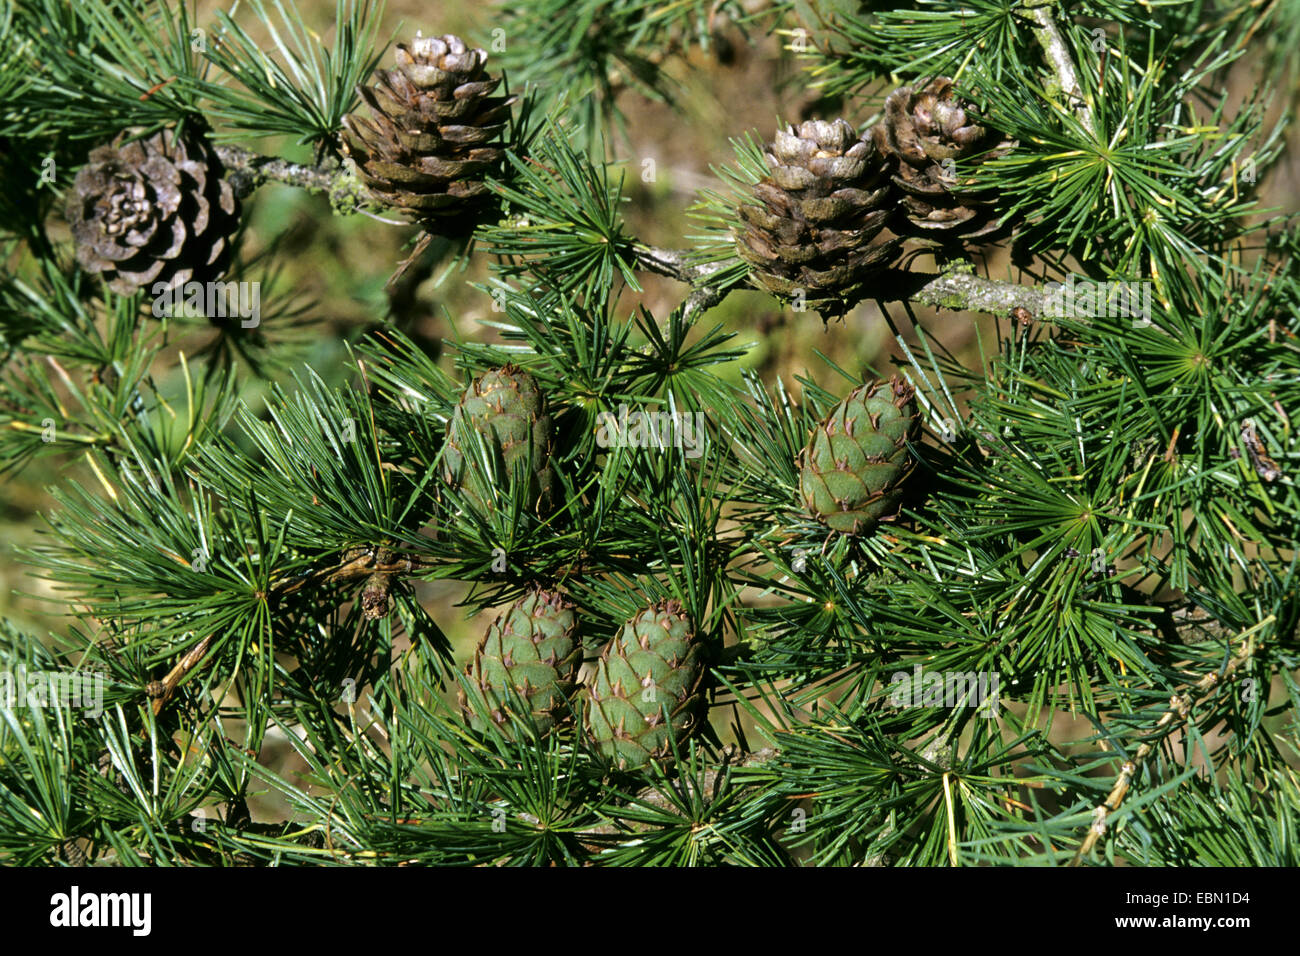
[[855, 463], [657, 660], [508, 410], [532, 648]]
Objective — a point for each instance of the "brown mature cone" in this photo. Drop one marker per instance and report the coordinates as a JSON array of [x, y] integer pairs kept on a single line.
[[826, 197], [434, 131], [154, 210], [927, 131]]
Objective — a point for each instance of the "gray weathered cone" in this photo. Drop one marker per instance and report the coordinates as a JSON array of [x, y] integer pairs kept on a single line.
[[816, 217], [153, 210], [929, 134], [434, 130]]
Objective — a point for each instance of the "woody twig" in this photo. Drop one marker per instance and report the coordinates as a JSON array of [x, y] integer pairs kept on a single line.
[[162, 691], [1180, 706]]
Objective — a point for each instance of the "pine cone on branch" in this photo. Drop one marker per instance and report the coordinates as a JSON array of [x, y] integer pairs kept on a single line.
[[507, 408], [153, 210], [433, 134], [657, 663], [929, 134], [853, 470], [534, 649], [826, 198]]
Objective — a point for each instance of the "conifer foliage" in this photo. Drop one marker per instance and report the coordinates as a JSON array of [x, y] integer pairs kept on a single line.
[[1034, 603]]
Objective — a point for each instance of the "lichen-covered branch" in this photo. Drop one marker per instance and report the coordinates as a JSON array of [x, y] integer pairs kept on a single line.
[[1059, 58], [676, 264], [955, 290], [248, 170], [972, 293]]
